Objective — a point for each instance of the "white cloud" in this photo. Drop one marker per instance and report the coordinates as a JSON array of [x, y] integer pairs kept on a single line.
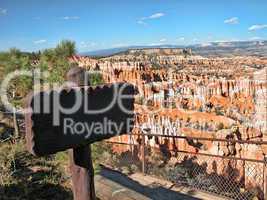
[[153, 16], [163, 40], [233, 20], [181, 38], [3, 11], [156, 15], [70, 18], [85, 45], [40, 41], [141, 22], [257, 27]]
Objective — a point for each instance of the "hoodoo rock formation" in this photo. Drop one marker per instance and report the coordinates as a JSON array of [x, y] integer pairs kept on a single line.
[[193, 96]]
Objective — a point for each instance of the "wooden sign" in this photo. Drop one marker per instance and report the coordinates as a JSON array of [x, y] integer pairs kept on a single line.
[[70, 118]]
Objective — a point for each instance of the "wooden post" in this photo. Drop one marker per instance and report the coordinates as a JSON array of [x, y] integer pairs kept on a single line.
[[81, 165], [82, 173]]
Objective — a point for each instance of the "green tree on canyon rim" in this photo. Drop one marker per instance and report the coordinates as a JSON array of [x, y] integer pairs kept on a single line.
[[54, 60]]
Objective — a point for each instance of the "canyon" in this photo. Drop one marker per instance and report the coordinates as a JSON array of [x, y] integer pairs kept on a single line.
[[190, 96]]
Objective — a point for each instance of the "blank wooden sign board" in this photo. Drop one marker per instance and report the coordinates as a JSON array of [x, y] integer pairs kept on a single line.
[[76, 117], [103, 112]]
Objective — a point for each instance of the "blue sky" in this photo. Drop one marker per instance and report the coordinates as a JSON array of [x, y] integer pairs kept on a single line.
[[98, 24]]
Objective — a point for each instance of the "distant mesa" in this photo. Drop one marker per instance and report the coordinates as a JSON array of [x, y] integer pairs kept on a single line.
[[234, 48], [161, 51]]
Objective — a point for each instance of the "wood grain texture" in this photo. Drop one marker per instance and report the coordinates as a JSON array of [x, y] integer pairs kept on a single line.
[[44, 138]]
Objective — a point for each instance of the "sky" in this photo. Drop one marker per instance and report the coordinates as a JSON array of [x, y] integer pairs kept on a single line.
[[32, 25]]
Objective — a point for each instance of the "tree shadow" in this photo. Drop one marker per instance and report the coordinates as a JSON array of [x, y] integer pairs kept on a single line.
[[34, 178], [30, 191]]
